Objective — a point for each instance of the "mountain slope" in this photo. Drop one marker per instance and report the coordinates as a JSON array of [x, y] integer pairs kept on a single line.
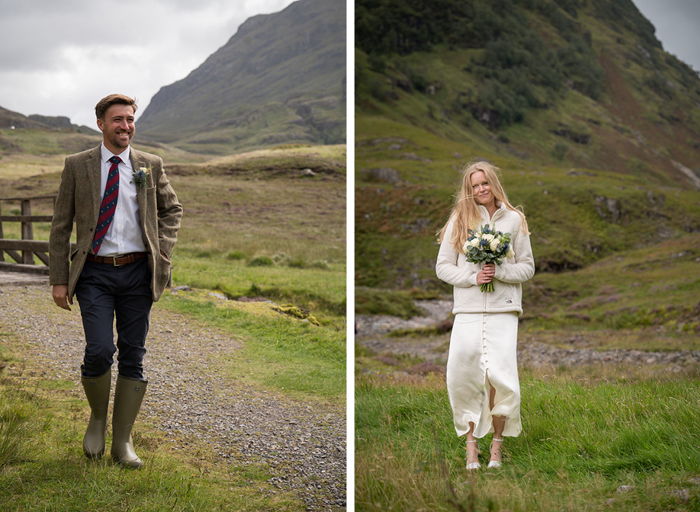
[[15, 120], [279, 79], [595, 127]]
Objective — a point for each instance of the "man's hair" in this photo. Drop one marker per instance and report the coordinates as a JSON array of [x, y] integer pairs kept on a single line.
[[113, 99]]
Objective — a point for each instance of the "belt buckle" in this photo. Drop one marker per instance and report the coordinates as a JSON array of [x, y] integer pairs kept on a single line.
[[114, 262]]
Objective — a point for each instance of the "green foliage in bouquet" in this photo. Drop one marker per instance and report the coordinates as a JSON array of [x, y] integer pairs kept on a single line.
[[486, 245]]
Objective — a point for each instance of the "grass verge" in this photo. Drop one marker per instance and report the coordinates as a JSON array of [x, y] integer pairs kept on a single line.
[[585, 434], [42, 466], [287, 355]]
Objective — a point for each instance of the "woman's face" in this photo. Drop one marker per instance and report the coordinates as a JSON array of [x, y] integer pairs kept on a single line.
[[482, 189]]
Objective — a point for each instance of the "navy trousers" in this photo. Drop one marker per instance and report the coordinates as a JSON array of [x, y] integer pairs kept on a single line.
[[105, 292]]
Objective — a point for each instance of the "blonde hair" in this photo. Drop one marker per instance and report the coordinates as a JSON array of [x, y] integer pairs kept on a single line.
[[465, 212]]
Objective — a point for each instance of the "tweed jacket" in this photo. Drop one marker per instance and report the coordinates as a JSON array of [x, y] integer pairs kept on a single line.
[[453, 268], [79, 199]]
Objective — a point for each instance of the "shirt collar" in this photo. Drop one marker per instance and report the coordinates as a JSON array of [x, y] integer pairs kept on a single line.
[[107, 154]]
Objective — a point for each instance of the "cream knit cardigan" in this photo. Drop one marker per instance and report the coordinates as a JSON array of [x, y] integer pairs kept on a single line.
[[453, 268]]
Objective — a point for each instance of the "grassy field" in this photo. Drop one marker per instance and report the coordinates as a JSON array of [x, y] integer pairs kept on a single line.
[[41, 424], [252, 227], [586, 433]]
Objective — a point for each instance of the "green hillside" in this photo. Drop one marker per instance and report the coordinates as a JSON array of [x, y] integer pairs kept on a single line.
[[279, 79], [595, 127]]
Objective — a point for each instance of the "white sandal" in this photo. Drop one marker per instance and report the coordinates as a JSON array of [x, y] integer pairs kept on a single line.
[[473, 465], [495, 464]]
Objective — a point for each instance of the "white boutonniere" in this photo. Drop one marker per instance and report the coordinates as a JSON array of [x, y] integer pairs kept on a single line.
[[140, 175]]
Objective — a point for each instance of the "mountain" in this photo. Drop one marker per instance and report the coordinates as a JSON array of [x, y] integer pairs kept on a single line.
[[279, 79], [595, 127], [10, 119]]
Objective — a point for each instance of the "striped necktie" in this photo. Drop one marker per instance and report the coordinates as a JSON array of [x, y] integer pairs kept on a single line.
[[109, 204]]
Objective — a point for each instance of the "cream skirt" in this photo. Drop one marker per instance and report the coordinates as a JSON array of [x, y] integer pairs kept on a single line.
[[483, 350]]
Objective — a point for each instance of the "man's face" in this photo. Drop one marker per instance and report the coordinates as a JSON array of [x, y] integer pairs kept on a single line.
[[117, 127]]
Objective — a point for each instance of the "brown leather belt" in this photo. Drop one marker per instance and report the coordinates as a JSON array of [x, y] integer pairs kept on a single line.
[[117, 260]]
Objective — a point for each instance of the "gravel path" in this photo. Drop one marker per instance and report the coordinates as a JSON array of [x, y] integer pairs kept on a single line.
[[372, 331], [304, 444]]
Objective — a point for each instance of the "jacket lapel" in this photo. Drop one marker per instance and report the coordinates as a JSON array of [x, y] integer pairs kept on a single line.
[[136, 163], [94, 176]]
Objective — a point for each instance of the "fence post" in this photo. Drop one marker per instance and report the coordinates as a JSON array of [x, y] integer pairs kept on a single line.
[[27, 231], [2, 253]]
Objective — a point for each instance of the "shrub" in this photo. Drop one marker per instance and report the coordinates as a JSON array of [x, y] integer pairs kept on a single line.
[[320, 264], [261, 261], [560, 150], [234, 255], [377, 87], [280, 258], [376, 62], [296, 263], [659, 85]]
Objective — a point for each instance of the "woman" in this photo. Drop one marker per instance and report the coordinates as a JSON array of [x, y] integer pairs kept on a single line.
[[482, 372]]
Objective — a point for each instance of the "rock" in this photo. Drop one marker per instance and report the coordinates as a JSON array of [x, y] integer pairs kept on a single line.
[[385, 174], [308, 173], [683, 494], [183, 288], [624, 488], [218, 295], [614, 209], [413, 156]]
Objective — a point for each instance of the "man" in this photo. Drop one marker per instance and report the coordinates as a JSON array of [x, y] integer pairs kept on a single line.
[[126, 218]]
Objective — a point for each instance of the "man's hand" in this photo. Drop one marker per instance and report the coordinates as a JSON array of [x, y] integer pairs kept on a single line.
[[60, 296]]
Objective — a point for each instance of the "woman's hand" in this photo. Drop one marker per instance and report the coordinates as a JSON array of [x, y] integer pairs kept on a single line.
[[486, 275]]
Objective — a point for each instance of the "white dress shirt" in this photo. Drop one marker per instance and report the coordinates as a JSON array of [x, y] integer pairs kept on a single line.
[[124, 235]]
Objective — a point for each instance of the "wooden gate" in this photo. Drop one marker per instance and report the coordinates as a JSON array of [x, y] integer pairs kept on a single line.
[[23, 250]]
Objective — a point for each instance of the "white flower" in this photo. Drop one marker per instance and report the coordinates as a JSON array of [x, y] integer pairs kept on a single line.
[[494, 244], [487, 236], [472, 242], [510, 253]]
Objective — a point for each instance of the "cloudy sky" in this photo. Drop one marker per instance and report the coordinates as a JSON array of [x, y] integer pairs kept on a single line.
[[61, 57], [677, 25]]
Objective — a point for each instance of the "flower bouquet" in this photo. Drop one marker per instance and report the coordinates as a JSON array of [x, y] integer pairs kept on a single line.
[[486, 245]]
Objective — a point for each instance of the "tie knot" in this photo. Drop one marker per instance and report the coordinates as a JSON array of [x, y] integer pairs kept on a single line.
[[115, 160]]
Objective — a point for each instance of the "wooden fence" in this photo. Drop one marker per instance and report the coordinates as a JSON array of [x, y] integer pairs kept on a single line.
[[23, 251]]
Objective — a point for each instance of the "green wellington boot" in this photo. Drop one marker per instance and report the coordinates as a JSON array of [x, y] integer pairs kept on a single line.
[[97, 392], [128, 395]]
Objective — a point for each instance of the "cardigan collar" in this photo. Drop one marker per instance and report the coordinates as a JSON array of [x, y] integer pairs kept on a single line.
[[485, 213]]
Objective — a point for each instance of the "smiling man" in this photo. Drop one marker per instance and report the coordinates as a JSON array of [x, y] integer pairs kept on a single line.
[[126, 217]]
